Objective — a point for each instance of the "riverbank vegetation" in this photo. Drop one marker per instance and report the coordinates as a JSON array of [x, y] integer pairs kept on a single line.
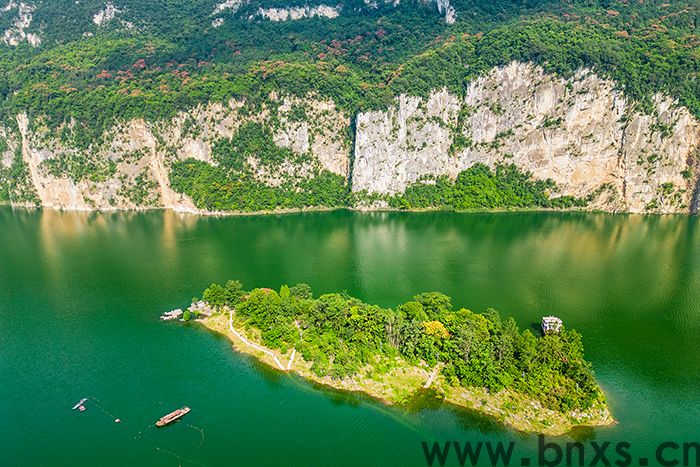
[[216, 189], [479, 187], [475, 359], [232, 185]]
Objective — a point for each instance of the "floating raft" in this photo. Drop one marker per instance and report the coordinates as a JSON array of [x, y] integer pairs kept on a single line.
[[79, 404], [172, 416]]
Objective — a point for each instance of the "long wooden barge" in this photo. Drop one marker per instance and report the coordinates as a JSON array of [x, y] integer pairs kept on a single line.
[[172, 416]]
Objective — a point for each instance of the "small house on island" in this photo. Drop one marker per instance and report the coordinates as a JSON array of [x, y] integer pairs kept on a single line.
[[551, 325], [201, 308]]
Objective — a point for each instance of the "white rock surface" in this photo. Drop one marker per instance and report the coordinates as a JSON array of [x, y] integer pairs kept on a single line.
[[444, 8], [106, 14], [582, 133], [296, 13], [230, 5], [18, 31], [144, 149]]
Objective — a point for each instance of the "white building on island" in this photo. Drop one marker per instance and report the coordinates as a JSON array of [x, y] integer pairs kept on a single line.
[[551, 324]]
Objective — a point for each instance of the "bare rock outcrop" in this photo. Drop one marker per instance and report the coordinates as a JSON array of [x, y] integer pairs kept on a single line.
[[580, 132], [130, 167]]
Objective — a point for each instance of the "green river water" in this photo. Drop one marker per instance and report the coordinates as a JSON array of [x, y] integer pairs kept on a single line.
[[80, 297]]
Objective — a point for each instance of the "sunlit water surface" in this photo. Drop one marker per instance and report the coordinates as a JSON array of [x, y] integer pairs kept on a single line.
[[80, 296]]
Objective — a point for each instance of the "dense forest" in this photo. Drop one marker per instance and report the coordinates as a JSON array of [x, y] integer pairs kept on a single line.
[[341, 335], [170, 57], [479, 187], [83, 67]]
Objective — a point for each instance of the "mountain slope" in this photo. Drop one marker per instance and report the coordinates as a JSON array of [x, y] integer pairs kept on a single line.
[[76, 77]]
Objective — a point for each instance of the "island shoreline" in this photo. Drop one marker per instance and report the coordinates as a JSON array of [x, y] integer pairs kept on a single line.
[[554, 423]]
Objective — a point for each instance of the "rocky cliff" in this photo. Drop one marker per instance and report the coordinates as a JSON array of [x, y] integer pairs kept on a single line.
[[580, 132], [129, 167]]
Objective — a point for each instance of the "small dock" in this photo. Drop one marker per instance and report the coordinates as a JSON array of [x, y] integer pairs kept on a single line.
[[172, 315]]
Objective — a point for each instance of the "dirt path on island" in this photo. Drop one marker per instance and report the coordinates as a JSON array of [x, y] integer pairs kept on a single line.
[[258, 347], [432, 376]]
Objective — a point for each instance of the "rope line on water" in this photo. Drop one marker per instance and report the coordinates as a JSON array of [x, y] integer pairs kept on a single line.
[[144, 433], [179, 457], [97, 402], [201, 432]]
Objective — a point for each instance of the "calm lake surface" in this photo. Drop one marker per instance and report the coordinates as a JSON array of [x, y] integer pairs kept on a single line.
[[80, 297]]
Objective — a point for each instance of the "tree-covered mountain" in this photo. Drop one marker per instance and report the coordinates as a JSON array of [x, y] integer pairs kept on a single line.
[[79, 68], [56, 50]]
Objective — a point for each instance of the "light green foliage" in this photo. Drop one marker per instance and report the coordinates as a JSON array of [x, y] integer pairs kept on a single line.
[[340, 335], [301, 291], [232, 185], [234, 291], [285, 293], [15, 182], [479, 187], [265, 310], [215, 295]]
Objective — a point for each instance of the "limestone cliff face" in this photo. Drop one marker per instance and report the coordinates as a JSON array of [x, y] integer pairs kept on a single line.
[[129, 169], [581, 132], [300, 12]]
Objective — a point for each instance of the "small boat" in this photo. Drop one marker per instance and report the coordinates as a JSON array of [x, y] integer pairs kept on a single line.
[[76, 406], [172, 416]]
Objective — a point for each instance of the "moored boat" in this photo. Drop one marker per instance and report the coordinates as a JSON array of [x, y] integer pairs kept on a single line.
[[172, 416], [79, 404]]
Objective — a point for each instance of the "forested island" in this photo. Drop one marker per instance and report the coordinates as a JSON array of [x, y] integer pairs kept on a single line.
[[424, 347]]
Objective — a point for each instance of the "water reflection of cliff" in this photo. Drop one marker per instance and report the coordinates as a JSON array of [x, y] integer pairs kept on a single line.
[[628, 283]]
